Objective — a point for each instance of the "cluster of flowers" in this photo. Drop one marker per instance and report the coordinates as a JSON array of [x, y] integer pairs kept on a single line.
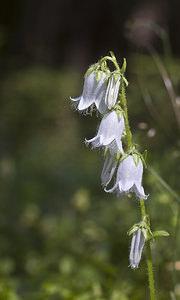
[[100, 92]]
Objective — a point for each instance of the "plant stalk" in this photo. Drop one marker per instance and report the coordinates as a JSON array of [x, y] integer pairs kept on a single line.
[[124, 105], [149, 258], [143, 209]]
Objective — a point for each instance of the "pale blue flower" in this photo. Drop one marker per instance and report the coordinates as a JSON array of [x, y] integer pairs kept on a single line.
[[129, 178], [108, 170], [112, 91], [109, 133], [93, 93], [137, 244]]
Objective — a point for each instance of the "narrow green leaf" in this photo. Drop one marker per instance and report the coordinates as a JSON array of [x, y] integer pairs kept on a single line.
[[123, 69], [160, 233], [112, 54], [145, 155], [125, 80]]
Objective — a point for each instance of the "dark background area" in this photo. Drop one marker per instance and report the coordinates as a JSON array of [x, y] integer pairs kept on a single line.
[[79, 32], [61, 235]]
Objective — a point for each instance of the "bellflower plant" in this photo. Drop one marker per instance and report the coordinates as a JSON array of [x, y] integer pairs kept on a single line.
[[123, 162]]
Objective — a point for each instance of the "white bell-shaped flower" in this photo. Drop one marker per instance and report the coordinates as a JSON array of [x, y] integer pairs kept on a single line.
[[137, 244], [109, 133], [108, 170], [112, 91], [93, 92], [129, 178]]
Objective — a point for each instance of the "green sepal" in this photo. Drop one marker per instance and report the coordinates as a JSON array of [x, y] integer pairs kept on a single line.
[[119, 113], [136, 158], [104, 66], [145, 155], [118, 154], [123, 69], [125, 80], [143, 158], [98, 75], [91, 69], [112, 55], [133, 229], [144, 225], [145, 233], [160, 233]]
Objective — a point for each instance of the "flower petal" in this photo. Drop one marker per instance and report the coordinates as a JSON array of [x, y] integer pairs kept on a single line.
[[109, 129], [119, 146], [85, 103], [112, 189], [126, 173], [131, 255], [75, 99], [95, 141], [139, 190]]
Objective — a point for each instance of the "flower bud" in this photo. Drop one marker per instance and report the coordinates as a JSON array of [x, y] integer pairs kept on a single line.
[[137, 244], [108, 170], [112, 91]]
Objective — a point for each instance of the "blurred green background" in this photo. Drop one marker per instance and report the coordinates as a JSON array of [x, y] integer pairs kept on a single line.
[[61, 236]]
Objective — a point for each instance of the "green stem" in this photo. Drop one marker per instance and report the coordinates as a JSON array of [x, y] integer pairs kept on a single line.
[[143, 209], [175, 254], [124, 105], [149, 258]]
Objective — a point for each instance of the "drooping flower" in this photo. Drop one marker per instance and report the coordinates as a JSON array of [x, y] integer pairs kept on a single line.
[[129, 178], [112, 91], [110, 132], [108, 170], [137, 244], [93, 93]]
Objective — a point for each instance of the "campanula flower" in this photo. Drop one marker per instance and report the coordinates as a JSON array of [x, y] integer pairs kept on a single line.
[[137, 244], [112, 91], [129, 178], [93, 93], [110, 132], [108, 170]]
